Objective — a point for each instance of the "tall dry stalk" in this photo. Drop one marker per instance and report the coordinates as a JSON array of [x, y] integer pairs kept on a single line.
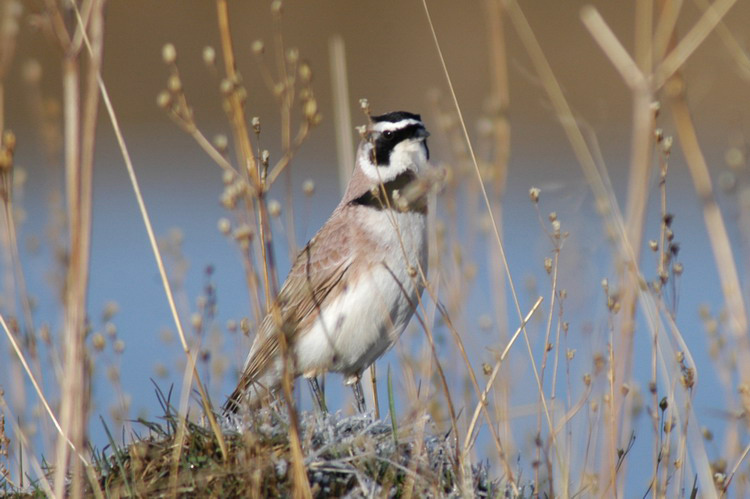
[[499, 107], [80, 111]]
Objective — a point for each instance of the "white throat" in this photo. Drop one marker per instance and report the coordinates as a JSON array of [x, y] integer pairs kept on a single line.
[[410, 154]]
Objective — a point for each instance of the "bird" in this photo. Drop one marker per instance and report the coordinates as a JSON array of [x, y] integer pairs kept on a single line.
[[354, 287]]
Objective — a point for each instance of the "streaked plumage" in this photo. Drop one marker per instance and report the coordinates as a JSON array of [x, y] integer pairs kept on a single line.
[[349, 294]]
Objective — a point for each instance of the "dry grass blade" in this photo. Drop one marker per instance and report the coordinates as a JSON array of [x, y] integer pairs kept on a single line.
[[691, 41], [38, 389], [736, 466], [21, 437], [342, 117], [723, 254], [609, 43], [717, 231], [470, 440]]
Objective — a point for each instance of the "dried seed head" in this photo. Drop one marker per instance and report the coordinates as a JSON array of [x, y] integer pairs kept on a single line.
[[663, 404], [659, 134], [364, 105], [276, 7], [265, 156], [534, 194], [209, 55], [486, 369], [243, 233], [111, 308], [255, 122], [258, 47], [226, 87], [411, 271], [169, 53], [174, 84], [735, 158], [119, 346], [196, 320], [245, 326], [110, 329], [292, 55], [310, 109], [225, 226], [666, 144], [241, 93], [653, 245], [548, 264], [221, 143], [164, 100], [655, 108], [553, 216], [305, 73], [274, 208], [719, 479], [677, 268], [98, 342], [308, 187]]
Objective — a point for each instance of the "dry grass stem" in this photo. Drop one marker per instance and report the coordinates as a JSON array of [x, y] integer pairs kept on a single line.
[[471, 436], [691, 41], [342, 116]]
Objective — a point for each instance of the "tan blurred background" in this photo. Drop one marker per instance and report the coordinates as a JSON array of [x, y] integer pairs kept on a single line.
[[392, 61]]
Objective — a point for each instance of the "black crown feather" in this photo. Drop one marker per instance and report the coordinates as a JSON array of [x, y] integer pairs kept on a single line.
[[396, 116]]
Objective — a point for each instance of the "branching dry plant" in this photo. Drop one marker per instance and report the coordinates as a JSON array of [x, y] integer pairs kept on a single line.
[[528, 400]]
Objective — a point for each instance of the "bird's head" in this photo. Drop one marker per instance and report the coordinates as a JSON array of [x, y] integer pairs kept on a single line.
[[393, 143]]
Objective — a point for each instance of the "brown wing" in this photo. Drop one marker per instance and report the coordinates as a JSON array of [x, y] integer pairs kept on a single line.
[[316, 272]]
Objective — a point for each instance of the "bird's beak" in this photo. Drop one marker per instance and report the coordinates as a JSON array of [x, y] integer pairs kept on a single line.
[[422, 133]]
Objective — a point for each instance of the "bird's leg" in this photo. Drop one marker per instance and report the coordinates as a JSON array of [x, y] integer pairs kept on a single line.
[[359, 395], [320, 396]]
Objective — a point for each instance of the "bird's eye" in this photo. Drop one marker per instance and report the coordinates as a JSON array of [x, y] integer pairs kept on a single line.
[[388, 134]]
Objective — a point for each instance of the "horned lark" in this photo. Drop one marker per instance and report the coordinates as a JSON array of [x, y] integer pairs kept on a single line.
[[354, 287]]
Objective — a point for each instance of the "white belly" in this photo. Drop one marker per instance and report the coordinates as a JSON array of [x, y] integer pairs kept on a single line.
[[368, 317]]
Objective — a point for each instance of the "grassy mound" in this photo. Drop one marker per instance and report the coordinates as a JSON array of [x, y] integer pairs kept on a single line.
[[352, 456]]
